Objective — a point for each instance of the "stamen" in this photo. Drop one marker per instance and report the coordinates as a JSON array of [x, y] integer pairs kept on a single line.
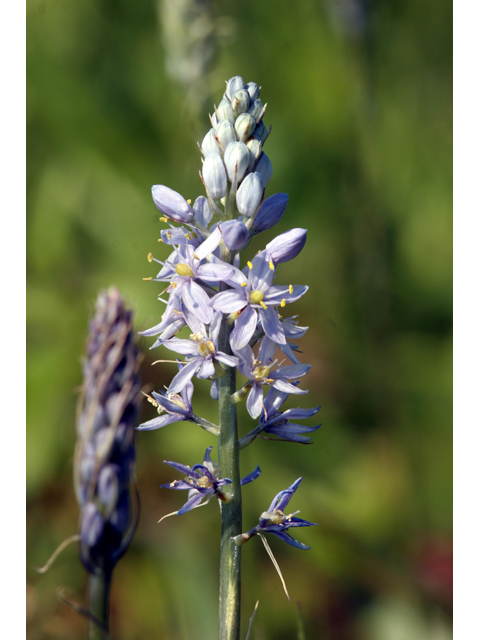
[[250, 265], [188, 236], [243, 284], [150, 257], [160, 240], [169, 235], [147, 279], [271, 265], [189, 201], [183, 269], [256, 297], [290, 289], [283, 303], [262, 304], [163, 219]]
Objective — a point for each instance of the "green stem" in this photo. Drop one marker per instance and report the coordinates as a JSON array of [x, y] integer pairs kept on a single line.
[[228, 457], [99, 606]]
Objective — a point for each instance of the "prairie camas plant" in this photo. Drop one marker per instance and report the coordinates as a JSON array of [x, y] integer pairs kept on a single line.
[[105, 454], [230, 303]]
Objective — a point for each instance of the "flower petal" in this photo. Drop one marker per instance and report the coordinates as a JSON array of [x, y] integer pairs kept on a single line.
[[160, 421], [245, 325], [272, 326], [255, 401], [228, 301], [184, 376], [251, 476], [197, 301]]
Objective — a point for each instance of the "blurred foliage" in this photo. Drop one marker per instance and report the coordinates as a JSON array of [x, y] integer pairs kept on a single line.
[[359, 95]]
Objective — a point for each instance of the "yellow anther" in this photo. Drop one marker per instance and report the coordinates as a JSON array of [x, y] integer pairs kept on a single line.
[[195, 256], [150, 257], [250, 265], [146, 279], [261, 372], [244, 284], [271, 265], [169, 235], [160, 240], [283, 303], [290, 289], [163, 219], [188, 236], [256, 297], [189, 201], [263, 305], [183, 269]]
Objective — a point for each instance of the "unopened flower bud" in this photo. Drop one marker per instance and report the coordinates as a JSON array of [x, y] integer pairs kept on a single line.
[[253, 91], [234, 234], [244, 126], [264, 168], [255, 109], [250, 194], [225, 134], [214, 176], [255, 147], [202, 211], [240, 102], [209, 143], [261, 132], [233, 85], [225, 111], [287, 245], [171, 203], [270, 212], [237, 157]]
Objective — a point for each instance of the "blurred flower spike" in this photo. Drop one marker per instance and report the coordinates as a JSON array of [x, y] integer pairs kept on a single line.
[[105, 453]]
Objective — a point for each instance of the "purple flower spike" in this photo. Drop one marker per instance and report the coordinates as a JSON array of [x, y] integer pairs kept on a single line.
[[287, 245], [202, 482], [171, 203], [275, 521]]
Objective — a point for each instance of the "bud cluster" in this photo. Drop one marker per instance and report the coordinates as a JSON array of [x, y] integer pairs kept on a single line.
[[105, 453]]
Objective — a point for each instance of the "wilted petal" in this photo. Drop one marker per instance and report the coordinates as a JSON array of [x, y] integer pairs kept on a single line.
[[191, 503], [251, 476], [289, 540]]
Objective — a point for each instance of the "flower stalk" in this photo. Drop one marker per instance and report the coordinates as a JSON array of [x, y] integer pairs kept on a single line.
[[228, 456]]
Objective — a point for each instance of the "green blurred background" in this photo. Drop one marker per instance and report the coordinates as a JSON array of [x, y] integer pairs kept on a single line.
[[359, 95]]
